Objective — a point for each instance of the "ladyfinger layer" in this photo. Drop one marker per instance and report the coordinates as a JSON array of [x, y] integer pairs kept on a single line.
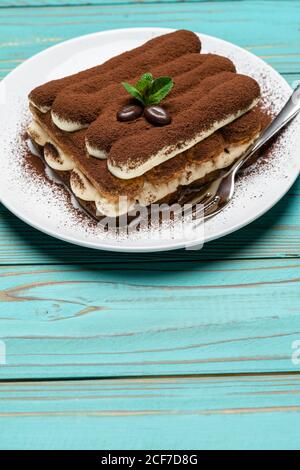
[[121, 67], [107, 130], [212, 154], [133, 156], [82, 104]]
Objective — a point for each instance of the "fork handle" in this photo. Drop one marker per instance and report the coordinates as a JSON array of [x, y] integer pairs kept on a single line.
[[288, 112]]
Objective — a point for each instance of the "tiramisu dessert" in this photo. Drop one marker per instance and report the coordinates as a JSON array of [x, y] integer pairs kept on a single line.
[[145, 125]]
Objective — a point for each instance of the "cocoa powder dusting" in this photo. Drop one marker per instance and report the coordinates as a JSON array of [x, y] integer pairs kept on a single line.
[[223, 101], [84, 103], [106, 130], [173, 45]]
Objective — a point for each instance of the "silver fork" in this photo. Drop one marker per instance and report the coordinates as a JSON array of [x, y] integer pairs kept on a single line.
[[215, 196]]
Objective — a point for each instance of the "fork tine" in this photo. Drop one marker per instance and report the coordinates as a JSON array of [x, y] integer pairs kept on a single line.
[[211, 202], [199, 198], [196, 207], [217, 210], [207, 202], [207, 215], [204, 199], [211, 207], [209, 192]]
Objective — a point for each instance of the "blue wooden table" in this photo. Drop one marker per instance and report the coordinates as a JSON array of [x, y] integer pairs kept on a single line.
[[171, 350]]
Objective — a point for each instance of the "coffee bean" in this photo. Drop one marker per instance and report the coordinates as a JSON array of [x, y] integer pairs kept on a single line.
[[157, 115], [130, 112]]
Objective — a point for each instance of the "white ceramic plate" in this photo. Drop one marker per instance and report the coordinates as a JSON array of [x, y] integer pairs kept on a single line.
[[44, 205]]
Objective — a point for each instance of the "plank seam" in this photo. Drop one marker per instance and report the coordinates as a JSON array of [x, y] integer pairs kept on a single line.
[[117, 3], [142, 261], [151, 377]]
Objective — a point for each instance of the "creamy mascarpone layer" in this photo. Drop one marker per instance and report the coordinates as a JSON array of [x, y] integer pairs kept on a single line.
[[82, 187], [63, 124], [150, 193], [67, 126], [95, 152], [56, 160], [43, 109], [193, 172]]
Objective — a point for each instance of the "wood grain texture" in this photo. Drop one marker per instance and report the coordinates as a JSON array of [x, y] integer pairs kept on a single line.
[[149, 318], [65, 3], [271, 32], [176, 413], [275, 235]]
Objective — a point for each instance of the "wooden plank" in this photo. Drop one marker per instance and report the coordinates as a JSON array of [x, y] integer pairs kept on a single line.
[[275, 235], [259, 412], [270, 31], [121, 319], [64, 3]]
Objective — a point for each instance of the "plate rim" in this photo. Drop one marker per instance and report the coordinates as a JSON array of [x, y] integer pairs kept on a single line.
[[170, 244]]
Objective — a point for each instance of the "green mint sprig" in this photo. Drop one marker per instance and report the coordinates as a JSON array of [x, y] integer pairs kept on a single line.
[[148, 90]]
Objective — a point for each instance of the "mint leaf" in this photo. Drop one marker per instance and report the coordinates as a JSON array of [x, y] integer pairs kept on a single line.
[[160, 88], [133, 91], [149, 91], [144, 83], [159, 83]]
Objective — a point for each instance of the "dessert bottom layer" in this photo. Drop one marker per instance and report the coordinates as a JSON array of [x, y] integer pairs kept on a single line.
[[154, 191]]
